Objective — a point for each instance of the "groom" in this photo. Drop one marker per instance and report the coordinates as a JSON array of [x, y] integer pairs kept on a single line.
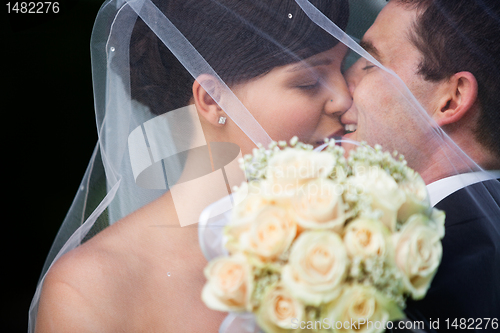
[[448, 55]]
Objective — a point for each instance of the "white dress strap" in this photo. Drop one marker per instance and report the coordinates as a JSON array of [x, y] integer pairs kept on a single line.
[[239, 323], [211, 226]]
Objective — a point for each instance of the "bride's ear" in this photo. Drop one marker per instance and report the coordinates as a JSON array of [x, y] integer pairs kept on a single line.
[[206, 94], [459, 98]]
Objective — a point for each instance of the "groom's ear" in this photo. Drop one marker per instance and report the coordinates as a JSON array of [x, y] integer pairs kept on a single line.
[[206, 94], [460, 95]]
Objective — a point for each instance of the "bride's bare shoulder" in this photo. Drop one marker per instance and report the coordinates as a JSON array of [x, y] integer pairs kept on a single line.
[[119, 280], [82, 291], [69, 294]]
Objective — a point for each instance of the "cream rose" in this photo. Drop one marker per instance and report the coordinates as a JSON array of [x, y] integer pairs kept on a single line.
[[229, 284], [417, 198], [278, 310], [364, 307], [289, 169], [270, 234], [365, 238], [316, 267], [248, 204], [249, 200], [418, 254], [383, 190], [319, 205]]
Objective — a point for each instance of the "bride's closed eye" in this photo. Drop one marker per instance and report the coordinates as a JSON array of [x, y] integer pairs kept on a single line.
[[311, 85], [305, 82]]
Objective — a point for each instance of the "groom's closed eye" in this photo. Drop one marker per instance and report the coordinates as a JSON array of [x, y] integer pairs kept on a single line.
[[370, 48]]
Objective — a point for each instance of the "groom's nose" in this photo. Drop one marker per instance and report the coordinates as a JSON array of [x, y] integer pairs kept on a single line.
[[354, 75]]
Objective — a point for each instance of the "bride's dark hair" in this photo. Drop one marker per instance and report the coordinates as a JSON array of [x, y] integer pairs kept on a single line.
[[240, 39]]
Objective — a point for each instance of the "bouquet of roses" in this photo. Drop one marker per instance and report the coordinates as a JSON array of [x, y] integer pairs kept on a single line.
[[324, 242]]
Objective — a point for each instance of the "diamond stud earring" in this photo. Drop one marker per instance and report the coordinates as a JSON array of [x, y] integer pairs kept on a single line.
[[222, 120]]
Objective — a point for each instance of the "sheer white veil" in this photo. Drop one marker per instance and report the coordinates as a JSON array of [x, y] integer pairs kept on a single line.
[[142, 152]]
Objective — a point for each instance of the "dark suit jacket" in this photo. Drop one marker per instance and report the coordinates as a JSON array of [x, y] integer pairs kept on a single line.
[[467, 283]]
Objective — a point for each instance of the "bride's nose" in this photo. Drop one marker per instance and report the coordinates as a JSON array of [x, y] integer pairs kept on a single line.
[[340, 99]]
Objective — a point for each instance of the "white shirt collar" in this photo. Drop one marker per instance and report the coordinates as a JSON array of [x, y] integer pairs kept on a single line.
[[442, 188]]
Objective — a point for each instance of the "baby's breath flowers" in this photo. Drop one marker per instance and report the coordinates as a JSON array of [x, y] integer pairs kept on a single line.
[[316, 233]]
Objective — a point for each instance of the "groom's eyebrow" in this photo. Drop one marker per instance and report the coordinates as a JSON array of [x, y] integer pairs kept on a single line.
[[370, 48]]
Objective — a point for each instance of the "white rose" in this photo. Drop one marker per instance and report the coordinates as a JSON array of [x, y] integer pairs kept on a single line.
[[270, 234], [366, 238], [417, 197], [319, 205], [418, 254], [363, 306], [229, 284], [316, 267], [279, 310], [291, 168], [383, 190]]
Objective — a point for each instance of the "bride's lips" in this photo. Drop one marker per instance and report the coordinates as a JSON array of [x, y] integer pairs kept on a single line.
[[337, 134]]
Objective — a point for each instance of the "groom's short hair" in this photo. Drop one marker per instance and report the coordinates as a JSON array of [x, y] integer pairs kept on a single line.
[[463, 35]]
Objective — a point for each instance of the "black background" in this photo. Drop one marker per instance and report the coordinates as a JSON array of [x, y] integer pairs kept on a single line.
[[48, 135]]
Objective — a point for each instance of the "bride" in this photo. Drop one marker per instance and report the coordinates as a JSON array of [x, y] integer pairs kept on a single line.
[[155, 121]]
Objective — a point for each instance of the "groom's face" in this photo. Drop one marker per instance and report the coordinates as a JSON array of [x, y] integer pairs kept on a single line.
[[384, 116]]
